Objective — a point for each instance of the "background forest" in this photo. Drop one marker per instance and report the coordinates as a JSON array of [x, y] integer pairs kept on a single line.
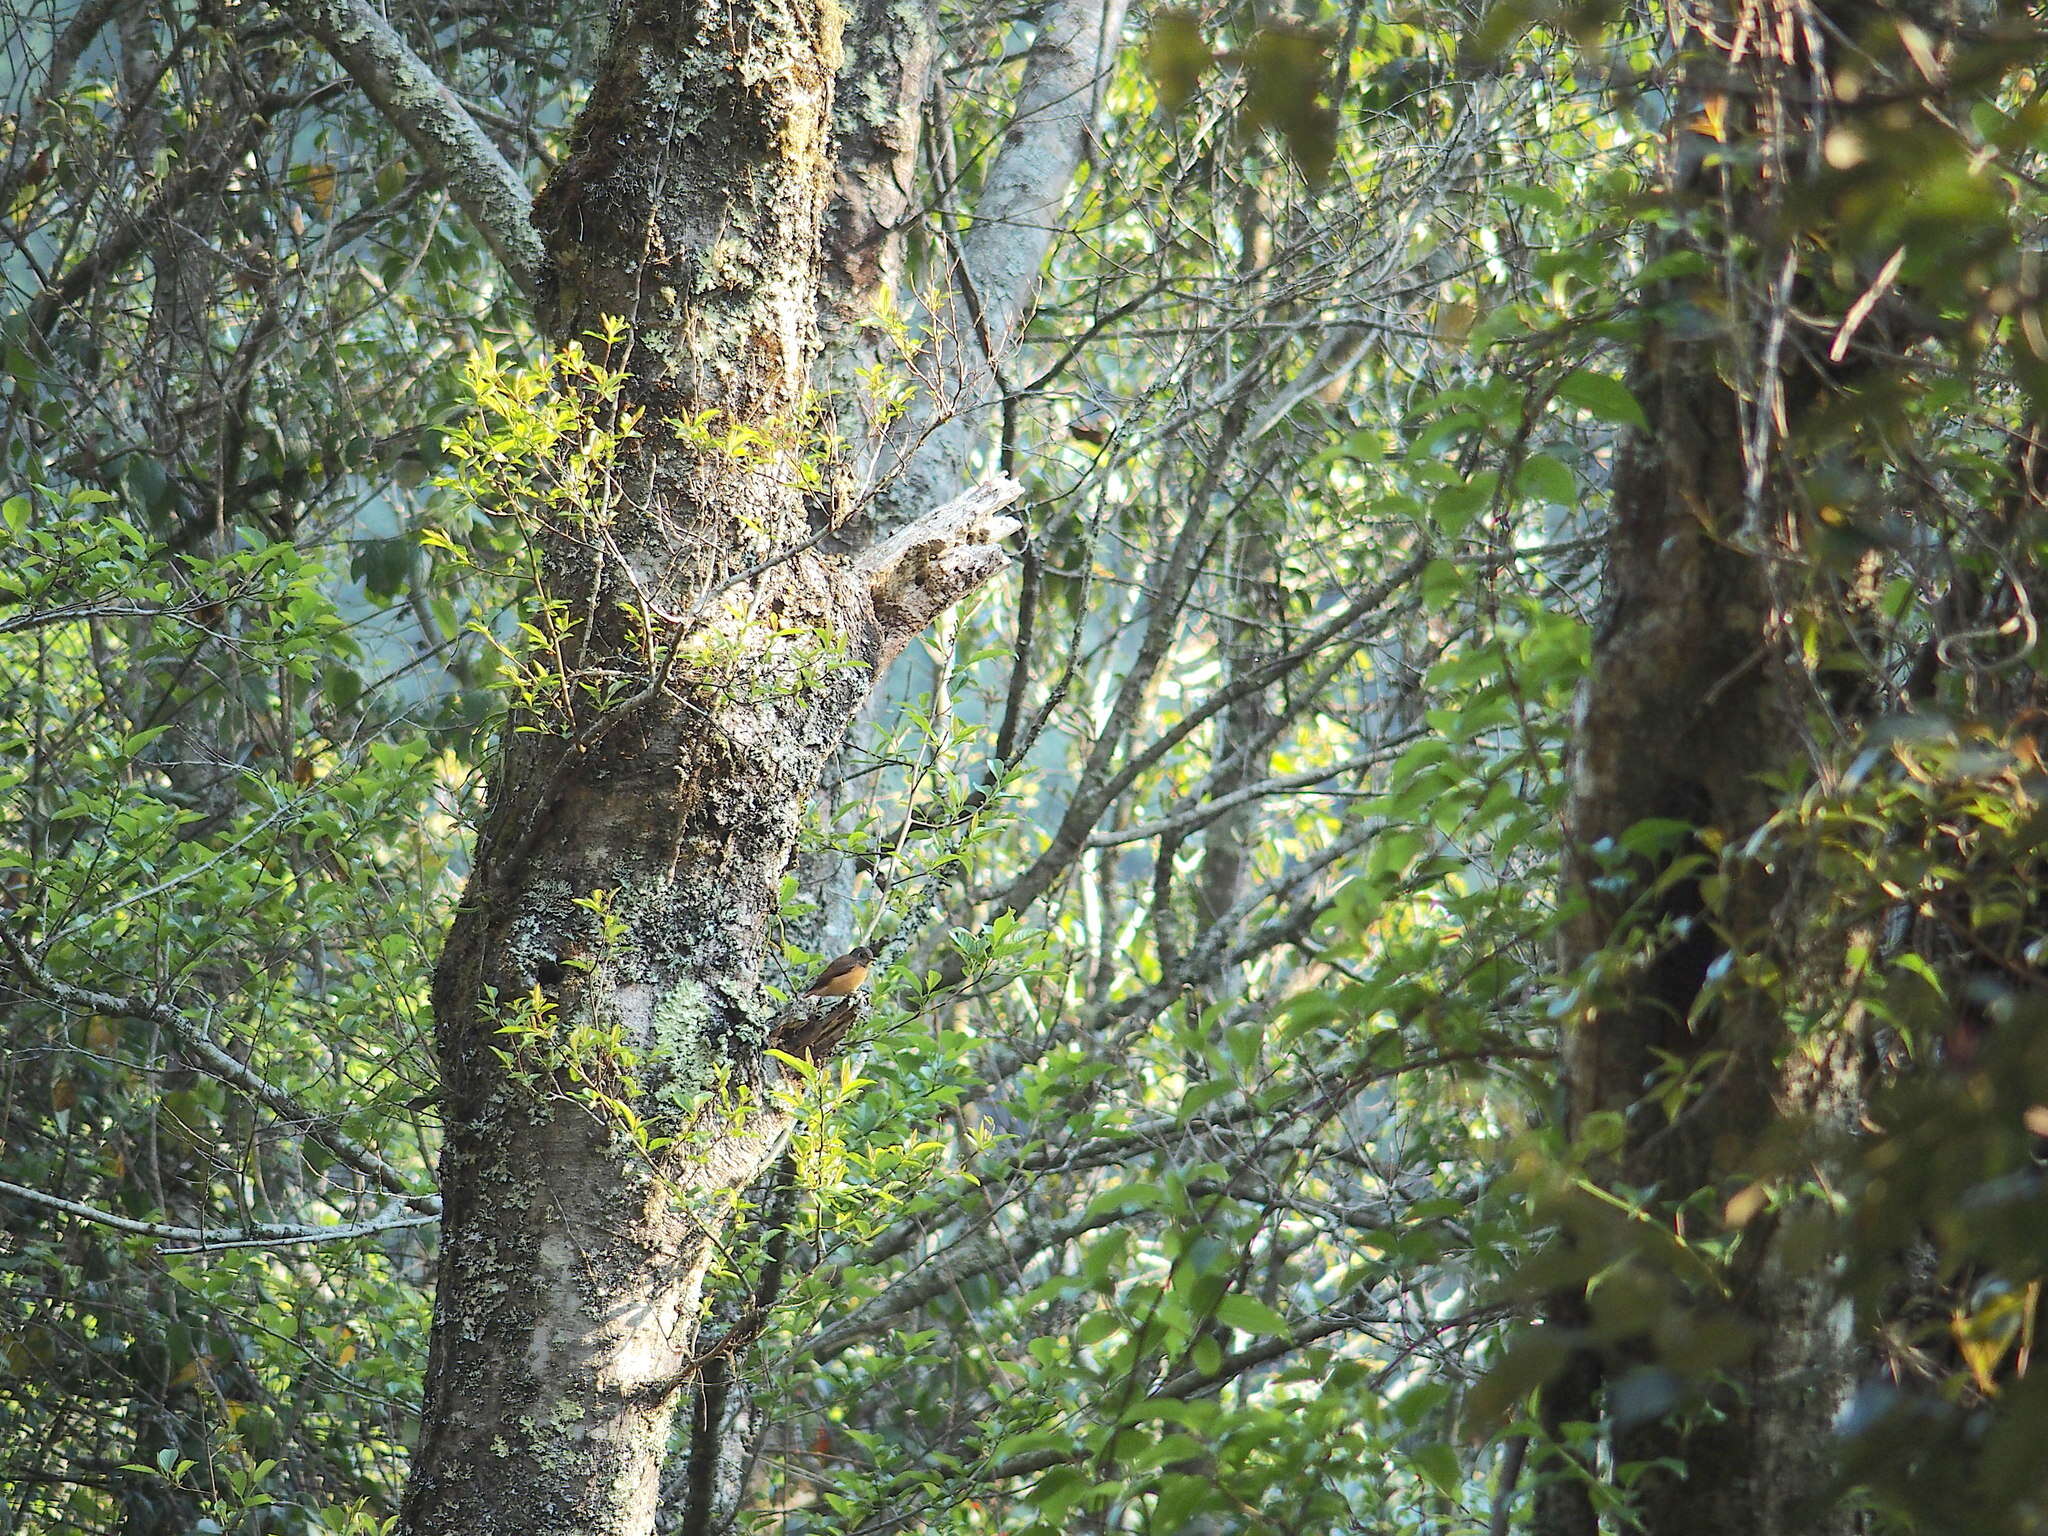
[[1454, 844]]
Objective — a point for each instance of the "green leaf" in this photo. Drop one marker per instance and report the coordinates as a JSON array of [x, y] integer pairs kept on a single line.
[[1454, 507], [1176, 56], [1252, 1315], [1438, 1463], [1180, 1499], [1544, 478], [1603, 396]]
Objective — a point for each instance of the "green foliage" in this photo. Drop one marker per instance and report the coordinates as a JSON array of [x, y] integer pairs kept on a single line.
[[1204, 1147], [229, 766], [281, 898]]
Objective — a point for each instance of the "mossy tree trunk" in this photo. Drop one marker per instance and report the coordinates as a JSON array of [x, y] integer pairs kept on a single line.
[[627, 871], [1707, 1064], [1687, 1080]]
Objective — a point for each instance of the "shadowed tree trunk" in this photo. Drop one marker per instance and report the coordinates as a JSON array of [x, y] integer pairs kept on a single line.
[[1689, 704], [1689, 1084]]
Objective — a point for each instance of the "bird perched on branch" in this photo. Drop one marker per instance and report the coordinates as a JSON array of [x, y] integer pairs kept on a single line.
[[825, 1010], [844, 975]]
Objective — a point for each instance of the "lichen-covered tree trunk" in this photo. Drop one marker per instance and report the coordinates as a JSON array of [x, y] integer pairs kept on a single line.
[[599, 1007], [1691, 1087]]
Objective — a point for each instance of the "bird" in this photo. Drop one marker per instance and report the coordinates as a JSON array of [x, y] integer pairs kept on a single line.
[[1092, 427], [815, 1033], [815, 1039], [844, 975]]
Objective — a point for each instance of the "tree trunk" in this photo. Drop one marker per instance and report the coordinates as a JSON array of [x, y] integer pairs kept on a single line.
[[1686, 1084], [627, 870], [996, 260], [1687, 706]]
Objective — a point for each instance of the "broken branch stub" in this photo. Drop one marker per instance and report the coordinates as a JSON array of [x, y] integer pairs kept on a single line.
[[916, 574]]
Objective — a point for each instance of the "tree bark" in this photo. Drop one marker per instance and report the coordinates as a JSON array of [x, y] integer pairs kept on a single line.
[[627, 870], [1686, 1083], [997, 259], [435, 123], [1687, 706]]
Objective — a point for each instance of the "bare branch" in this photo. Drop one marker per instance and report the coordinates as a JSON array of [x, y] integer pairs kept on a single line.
[[70, 45], [1190, 1384], [998, 257], [433, 121], [256, 1234], [1088, 803], [1203, 812], [916, 574], [78, 613], [948, 1268]]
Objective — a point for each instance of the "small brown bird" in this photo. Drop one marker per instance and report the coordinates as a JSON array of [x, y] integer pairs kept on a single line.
[[814, 1031], [1092, 427], [844, 975]]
